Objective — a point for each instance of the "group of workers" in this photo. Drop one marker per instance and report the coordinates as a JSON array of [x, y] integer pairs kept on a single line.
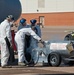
[[26, 38]]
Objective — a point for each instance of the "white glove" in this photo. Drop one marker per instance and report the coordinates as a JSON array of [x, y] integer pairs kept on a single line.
[[42, 41]]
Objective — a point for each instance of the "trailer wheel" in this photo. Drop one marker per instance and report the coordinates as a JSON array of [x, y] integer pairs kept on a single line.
[[67, 37], [54, 59], [71, 63]]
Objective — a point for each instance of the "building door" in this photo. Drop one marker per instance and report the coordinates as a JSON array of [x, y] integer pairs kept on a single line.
[[41, 20]]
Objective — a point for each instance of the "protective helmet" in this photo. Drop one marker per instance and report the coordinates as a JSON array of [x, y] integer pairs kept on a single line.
[[33, 21], [22, 20], [10, 17]]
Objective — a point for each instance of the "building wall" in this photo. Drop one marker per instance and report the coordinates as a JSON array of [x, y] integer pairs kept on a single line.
[[55, 12], [62, 18], [47, 6]]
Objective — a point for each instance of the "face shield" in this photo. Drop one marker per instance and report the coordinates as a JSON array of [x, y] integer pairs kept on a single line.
[[10, 19], [33, 22], [24, 24], [11, 23]]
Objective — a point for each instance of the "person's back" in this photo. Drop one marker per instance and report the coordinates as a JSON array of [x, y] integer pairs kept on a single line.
[[22, 32], [4, 24]]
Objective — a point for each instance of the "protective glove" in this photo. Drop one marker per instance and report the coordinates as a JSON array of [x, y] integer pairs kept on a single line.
[[42, 41]]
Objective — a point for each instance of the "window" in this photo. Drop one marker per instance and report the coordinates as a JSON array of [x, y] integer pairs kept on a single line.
[[41, 3]]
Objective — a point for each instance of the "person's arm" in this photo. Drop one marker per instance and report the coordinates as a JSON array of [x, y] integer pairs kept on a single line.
[[35, 36]]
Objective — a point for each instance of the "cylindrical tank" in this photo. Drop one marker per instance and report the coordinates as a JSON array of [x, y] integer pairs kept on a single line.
[[10, 7]]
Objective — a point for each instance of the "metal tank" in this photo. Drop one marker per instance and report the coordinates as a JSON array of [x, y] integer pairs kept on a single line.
[[8, 7]]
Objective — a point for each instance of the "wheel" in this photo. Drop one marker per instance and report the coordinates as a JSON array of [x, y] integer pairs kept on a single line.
[[30, 60], [67, 37], [54, 59], [71, 63], [28, 57], [35, 56]]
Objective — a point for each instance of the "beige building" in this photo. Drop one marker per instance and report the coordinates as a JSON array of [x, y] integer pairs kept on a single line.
[[49, 12]]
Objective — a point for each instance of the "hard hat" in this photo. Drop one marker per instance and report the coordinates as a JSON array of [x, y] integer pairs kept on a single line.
[[33, 21], [10, 17], [22, 20]]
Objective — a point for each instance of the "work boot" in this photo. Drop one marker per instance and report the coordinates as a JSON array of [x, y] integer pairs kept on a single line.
[[6, 66], [21, 64]]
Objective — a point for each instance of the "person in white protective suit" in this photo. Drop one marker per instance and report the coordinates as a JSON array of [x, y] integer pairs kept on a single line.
[[34, 42], [20, 43], [5, 31]]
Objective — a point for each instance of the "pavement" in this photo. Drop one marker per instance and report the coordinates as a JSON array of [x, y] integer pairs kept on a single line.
[[54, 33]]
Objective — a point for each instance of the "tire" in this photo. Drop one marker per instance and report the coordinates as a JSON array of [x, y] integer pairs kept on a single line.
[[28, 57], [71, 63], [67, 37], [37, 58], [54, 59]]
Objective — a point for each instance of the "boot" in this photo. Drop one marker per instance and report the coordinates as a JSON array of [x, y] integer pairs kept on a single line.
[[21, 64]]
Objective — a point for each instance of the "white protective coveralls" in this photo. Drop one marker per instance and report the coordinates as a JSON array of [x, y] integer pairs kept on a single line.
[[20, 41], [5, 31]]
